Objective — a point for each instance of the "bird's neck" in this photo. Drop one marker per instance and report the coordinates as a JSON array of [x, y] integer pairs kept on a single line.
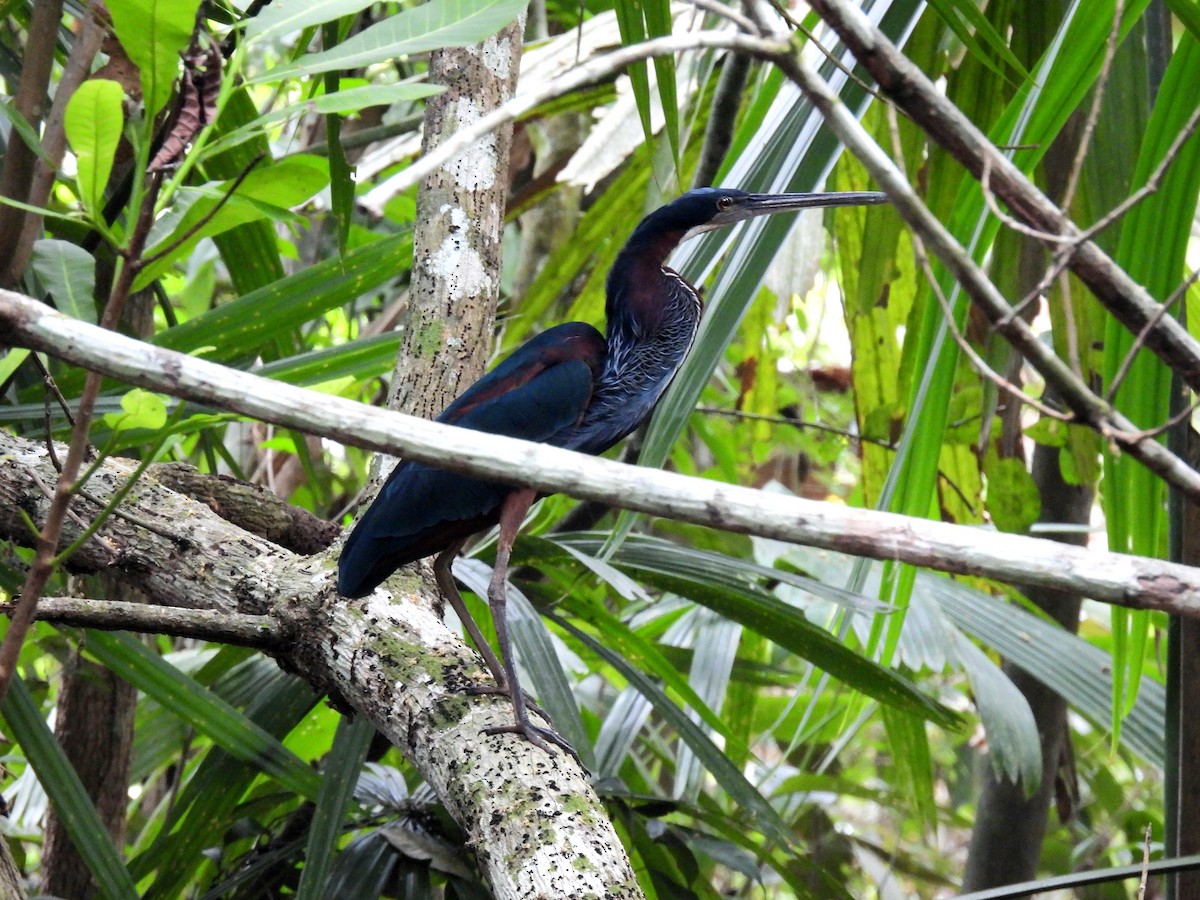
[[640, 293]]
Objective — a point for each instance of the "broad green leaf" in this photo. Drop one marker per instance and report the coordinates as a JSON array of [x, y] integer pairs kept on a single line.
[[93, 123], [1014, 748], [360, 360], [742, 600], [788, 627], [1012, 498], [154, 34], [10, 362], [912, 763], [745, 796], [242, 326], [23, 720], [632, 24], [344, 102], [715, 644], [68, 272], [352, 100], [140, 409], [251, 252], [201, 814], [1062, 661], [1188, 12], [977, 34], [713, 759], [341, 173], [430, 26]]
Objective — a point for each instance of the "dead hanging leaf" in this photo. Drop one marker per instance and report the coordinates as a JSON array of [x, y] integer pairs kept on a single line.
[[196, 105]]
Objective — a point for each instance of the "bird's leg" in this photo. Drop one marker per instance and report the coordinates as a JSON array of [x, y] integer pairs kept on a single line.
[[445, 581], [444, 576], [512, 514]]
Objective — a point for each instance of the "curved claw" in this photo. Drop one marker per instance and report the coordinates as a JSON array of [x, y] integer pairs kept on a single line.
[[537, 736], [501, 690]]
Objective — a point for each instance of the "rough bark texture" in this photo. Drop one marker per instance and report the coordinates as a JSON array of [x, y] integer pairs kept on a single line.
[[1006, 843], [539, 828], [252, 507], [95, 728], [460, 215], [12, 885]]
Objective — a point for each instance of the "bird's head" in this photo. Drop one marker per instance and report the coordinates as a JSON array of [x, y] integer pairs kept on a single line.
[[705, 209]]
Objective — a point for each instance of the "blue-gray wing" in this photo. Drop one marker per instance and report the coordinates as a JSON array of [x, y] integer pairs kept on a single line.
[[540, 392]]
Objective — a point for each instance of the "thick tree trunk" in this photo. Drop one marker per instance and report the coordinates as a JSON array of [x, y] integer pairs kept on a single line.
[[447, 328], [95, 728]]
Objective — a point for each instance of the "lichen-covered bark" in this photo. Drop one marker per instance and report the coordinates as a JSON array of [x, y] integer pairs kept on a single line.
[[536, 824], [399, 665], [460, 223]]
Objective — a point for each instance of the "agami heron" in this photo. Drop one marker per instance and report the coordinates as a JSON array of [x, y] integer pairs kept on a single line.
[[570, 387]]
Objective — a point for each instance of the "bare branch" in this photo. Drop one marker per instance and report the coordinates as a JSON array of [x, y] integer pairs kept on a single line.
[[908, 87], [1114, 578], [263, 632]]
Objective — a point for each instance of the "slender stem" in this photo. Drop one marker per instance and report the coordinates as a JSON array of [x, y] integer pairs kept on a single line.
[[45, 559]]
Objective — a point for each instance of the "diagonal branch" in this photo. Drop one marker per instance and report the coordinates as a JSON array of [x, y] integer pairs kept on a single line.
[[1087, 406], [388, 656], [917, 96], [1131, 581]]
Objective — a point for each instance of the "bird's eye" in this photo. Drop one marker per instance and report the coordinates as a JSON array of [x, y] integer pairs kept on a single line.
[[724, 202]]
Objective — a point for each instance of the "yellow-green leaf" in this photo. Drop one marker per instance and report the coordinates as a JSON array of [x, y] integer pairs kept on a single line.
[[154, 33], [93, 123], [141, 409]]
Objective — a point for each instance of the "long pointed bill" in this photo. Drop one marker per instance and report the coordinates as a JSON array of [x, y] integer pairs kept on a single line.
[[762, 204]]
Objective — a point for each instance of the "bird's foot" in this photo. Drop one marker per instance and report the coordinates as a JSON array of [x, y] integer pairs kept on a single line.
[[538, 736], [502, 690]]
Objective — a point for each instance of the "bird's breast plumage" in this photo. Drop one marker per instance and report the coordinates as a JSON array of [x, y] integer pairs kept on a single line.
[[649, 336]]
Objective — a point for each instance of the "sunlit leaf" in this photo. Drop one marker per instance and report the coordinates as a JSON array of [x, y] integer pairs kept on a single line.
[[93, 124], [154, 33], [432, 25]]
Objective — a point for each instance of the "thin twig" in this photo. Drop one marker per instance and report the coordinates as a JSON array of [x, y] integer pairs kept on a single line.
[[985, 184], [795, 423], [1145, 876], [745, 23], [52, 388], [1182, 416], [45, 559], [1127, 362], [1093, 116], [202, 221]]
